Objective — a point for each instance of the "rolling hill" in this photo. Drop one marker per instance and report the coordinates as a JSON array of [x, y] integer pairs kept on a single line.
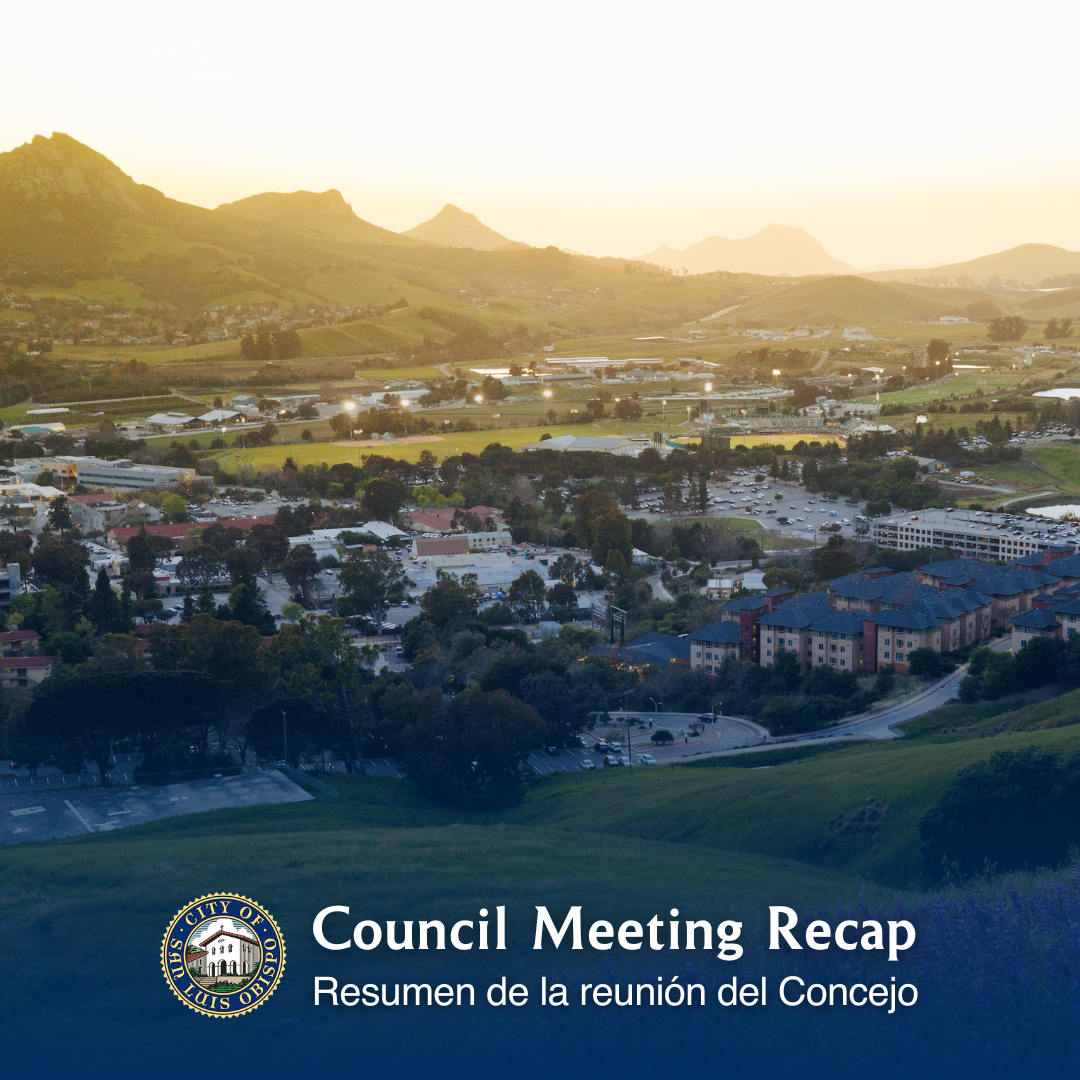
[[455, 228], [324, 214], [848, 300], [1026, 265], [776, 250]]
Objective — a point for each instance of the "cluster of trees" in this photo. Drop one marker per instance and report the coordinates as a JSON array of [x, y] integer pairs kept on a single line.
[[826, 695], [267, 345], [1043, 660], [1058, 328], [880, 482], [1008, 328], [1016, 810]]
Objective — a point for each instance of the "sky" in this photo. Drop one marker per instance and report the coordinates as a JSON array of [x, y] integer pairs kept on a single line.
[[904, 134]]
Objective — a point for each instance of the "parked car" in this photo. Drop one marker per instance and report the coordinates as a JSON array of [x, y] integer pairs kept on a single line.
[[612, 762], [707, 717], [601, 747], [587, 764], [551, 751], [404, 603], [624, 760], [646, 759]]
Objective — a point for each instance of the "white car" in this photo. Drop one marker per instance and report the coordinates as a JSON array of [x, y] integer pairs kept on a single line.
[[646, 759], [587, 765]]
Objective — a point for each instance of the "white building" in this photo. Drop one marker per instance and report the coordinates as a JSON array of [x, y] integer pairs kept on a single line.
[[228, 949], [618, 445]]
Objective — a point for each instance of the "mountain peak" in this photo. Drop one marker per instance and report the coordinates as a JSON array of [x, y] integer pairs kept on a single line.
[[55, 176], [322, 212], [776, 249], [454, 227]]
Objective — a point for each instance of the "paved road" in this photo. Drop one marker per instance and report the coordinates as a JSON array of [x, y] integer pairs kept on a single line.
[[41, 815], [880, 725]]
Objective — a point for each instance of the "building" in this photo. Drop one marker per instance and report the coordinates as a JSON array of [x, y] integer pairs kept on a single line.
[[721, 588], [494, 571], [92, 472], [603, 444], [815, 632], [712, 645], [940, 529], [118, 536], [170, 421], [216, 417], [223, 952], [746, 611], [100, 510], [25, 671], [439, 545], [10, 583], [651, 648], [442, 519], [18, 642]]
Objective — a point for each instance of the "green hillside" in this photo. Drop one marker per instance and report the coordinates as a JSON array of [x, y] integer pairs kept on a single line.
[[323, 214], [1026, 264], [849, 300]]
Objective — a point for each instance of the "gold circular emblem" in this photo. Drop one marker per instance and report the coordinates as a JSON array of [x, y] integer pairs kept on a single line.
[[223, 955]]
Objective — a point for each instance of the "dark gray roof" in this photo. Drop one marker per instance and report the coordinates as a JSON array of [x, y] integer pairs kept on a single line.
[[651, 648], [1036, 618], [727, 633], [811, 611], [746, 603]]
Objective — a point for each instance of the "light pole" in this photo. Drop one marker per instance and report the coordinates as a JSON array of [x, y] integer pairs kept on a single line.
[[495, 417], [775, 373], [284, 739], [708, 406], [479, 399], [617, 416], [663, 417], [573, 415], [405, 413], [878, 394]]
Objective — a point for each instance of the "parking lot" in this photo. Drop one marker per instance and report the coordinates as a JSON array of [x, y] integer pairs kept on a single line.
[[43, 814]]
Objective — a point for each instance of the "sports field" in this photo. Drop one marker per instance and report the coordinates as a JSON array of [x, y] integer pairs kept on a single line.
[[458, 442]]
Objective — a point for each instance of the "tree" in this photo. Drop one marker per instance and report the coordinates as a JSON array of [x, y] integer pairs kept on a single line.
[[140, 551], [104, 610], [472, 751], [528, 595], [372, 582], [1008, 328], [175, 509], [384, 498], [833, 561], [611, 529], [243, 565], [59, 515], [878, 508], [1058, 328], [562, 595], [61, 562], [449, 602], [301, 568], [566, 569], [661, 736], [1016, 809], [272, 545], [200, 566], [786, 577], [566, 710], [248, 606], [937, 354]]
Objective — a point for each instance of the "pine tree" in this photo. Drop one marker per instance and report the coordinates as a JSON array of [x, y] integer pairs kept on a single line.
[[188, 611], [205, 605]]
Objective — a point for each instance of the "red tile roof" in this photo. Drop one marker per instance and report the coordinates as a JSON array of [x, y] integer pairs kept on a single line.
[[19, 635], [123, 533], [26, 662]]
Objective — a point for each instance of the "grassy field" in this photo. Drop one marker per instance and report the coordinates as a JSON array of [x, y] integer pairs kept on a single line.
[[962, 385], [459, 442], [715, 842]]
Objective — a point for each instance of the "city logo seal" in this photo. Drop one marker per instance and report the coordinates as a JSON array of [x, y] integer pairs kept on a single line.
[[223, 955]]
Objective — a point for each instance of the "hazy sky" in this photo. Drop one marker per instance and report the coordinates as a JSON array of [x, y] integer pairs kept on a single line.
[[895, 133]]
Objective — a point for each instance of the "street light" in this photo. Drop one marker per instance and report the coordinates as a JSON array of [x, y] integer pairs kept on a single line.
[[405, 408], [775, 374], [479, 399], [878, 377], [663, 417], [547, 393], [617, 416], [708, 405], [495, 417]]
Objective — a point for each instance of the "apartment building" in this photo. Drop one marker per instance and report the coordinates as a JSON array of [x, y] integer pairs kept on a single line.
[[712, 645], [815, 632], [746, 611]]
